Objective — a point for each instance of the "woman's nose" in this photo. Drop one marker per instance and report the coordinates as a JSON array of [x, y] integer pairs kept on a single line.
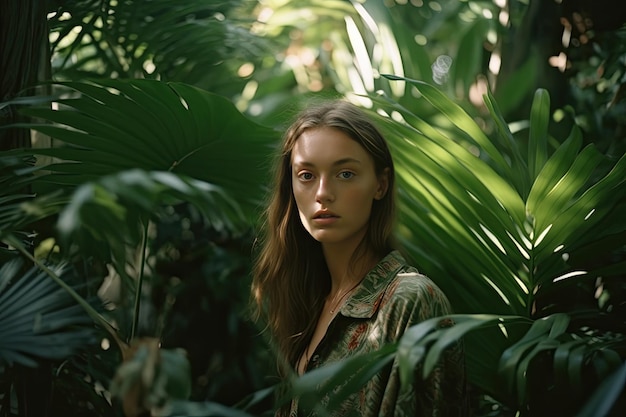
[[324, 192]]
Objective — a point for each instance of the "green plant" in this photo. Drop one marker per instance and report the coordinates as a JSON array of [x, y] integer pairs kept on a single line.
[[200, 43], [127, 152], [39, 319]]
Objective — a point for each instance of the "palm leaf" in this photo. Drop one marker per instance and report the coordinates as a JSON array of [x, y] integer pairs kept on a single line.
[[117, 125], [133, 39], [17, 208], [459, 118], [426, 342], [539, 119], [338, 380], [458, 204], [450, 197], [38, 319]]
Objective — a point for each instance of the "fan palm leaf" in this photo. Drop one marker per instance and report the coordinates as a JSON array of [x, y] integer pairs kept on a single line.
[[38, 318], [116, 125]]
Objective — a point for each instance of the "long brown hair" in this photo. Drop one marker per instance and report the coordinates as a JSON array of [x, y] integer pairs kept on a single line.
[[291, 278]]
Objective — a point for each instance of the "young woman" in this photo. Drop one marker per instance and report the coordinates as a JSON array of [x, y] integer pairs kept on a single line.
[[327, 280]]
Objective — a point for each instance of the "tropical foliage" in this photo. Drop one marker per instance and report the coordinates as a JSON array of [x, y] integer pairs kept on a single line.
[[539, 225], [110, 186], [513, 246], [135, 229]]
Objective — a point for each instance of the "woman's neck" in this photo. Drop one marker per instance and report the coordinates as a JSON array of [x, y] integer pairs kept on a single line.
[[346, 272]]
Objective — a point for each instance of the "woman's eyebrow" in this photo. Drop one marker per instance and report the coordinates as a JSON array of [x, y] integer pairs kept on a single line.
[[346, 161], [336, 163]]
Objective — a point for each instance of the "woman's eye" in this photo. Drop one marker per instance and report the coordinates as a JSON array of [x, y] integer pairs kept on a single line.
[[346, 175], [306, 176]]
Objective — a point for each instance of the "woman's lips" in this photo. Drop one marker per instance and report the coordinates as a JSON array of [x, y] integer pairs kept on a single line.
[[324, 218], [325, 221]]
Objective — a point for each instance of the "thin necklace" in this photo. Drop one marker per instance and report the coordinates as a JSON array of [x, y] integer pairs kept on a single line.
[[338, 303]]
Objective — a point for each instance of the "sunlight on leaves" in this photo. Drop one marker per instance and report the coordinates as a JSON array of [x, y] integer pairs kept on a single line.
[[521, 250], [496, 289], [363, 62], [542, 235], [569, 275], [493, 238]]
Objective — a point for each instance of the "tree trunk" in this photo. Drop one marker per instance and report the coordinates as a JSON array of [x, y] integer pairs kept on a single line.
[[24, 60]]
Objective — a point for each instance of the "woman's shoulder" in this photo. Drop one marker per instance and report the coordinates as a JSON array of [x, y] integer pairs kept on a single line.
[[410, 280], [408, 287]]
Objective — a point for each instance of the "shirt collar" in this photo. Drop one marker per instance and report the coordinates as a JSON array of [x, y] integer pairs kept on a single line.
[[365, 300]]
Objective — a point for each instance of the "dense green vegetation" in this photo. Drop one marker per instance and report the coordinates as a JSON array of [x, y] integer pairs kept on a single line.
[[135, 141]]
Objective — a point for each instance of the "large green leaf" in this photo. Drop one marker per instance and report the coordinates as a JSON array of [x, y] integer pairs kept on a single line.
[[459, 118], [459, 205], [116, 125]]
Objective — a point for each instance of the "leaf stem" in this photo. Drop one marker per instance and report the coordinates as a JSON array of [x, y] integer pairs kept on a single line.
[[137, 306]]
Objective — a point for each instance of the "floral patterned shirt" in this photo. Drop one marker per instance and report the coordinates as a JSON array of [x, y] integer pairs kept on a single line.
[[392, 297]]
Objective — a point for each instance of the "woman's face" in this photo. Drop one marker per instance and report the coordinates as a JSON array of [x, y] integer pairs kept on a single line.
[[334, 185]]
